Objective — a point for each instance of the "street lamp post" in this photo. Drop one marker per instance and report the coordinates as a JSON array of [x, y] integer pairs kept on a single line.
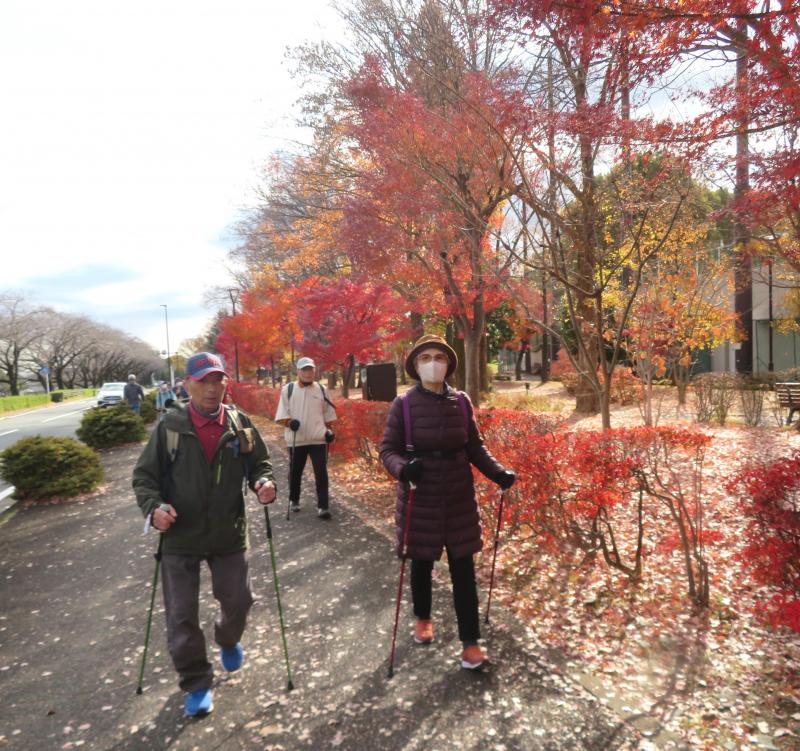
[[169, 358], [234, 295]]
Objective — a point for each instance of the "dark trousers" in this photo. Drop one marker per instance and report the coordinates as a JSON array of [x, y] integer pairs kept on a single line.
[[230, 584], [319, 460], [465, 594]]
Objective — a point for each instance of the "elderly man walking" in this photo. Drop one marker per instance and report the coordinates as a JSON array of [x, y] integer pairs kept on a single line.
[[188, 484], [307, 414]]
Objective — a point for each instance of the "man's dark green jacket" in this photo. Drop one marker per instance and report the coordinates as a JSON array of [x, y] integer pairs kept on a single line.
[[207, 498]]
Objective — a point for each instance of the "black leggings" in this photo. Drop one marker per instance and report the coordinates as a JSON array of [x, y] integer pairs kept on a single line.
[[465, 594]]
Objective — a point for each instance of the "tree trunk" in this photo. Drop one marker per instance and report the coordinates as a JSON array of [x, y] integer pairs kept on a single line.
[[587, 399], [347, 376], [459, 377], [743, 271], [518, 365], [484, 363], [472, 370], [417, 327]]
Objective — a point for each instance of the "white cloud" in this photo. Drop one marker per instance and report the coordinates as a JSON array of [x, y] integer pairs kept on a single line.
[[132, 135]]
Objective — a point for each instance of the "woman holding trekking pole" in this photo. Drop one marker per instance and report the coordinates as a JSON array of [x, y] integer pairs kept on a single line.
[[430, 442]]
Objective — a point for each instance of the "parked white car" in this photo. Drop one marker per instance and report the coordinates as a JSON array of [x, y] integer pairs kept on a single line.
[[109, 394]]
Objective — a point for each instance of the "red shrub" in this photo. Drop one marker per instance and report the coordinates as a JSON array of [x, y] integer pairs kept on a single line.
[[597, 490], [359, 428], [770, 494], [255, 399]]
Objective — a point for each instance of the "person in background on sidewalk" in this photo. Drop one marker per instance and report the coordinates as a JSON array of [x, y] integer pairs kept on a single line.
[[180, 391], [188, 484], [307, 414], [164, 398], [133, 394], [444, 512]]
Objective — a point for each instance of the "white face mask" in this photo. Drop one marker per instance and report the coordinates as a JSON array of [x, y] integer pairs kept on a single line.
[[432, 371]]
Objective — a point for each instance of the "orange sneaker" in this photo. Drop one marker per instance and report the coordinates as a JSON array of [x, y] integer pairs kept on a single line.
[[472, 658], [423, 632]]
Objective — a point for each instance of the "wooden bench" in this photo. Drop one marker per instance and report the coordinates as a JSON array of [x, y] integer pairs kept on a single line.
[[788, 397]]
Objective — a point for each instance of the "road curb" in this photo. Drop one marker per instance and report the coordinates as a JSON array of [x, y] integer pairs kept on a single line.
[[7, 500]]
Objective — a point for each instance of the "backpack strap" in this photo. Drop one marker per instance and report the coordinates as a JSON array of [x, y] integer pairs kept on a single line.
[[325, 395], [234, 415], [290, 388]]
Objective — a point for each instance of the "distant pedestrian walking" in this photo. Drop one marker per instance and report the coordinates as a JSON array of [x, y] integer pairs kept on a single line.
[[431, 440], [307, 414], [164, 398], [188, 484], [133, 394], [180, 391]]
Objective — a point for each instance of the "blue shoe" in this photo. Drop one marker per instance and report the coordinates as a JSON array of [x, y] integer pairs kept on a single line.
[[232, 658], [199, 703]]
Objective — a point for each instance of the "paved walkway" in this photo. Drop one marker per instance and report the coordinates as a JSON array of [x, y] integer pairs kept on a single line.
[[75, 584]]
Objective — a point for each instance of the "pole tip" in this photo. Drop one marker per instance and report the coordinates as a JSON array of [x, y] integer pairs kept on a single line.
[[138, 691], [290, 686], [391, 672]]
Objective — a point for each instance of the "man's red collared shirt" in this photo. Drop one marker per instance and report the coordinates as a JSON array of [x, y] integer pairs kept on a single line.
[[209, 429]]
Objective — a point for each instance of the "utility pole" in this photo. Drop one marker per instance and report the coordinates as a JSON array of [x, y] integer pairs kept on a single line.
[[169, 357], [234, 295]]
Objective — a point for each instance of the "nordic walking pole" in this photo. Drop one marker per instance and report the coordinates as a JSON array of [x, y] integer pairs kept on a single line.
[[494, 555], [291, 472], [150, 613], [412, 488], [289, 684]]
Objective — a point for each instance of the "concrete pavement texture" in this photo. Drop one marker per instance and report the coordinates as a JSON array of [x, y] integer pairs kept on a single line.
[[75, 589]]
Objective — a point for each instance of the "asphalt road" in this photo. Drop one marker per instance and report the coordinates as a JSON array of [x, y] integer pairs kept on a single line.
[[75, 581], [57, 420]]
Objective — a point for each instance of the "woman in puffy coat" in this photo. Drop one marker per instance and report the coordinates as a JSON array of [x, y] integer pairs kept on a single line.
[[436, 454]]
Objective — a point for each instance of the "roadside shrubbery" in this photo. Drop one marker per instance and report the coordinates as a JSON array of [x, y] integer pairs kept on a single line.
[[42, 468], [103, 427]]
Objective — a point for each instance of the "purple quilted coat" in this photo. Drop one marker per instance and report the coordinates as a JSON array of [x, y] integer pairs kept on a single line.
[[444, 512]]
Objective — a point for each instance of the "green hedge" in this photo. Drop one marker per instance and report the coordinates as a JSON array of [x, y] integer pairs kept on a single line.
[[43, 468], [23, 401]]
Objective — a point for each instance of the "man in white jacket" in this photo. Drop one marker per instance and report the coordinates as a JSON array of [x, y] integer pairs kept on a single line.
[[307, 414]]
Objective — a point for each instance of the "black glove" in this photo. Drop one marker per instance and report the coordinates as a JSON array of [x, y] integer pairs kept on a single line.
[[329, 436], [505, 478], [412, 471], [294, 425]]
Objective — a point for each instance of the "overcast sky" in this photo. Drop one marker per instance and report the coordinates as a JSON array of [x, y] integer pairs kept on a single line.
[[132, 133]]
